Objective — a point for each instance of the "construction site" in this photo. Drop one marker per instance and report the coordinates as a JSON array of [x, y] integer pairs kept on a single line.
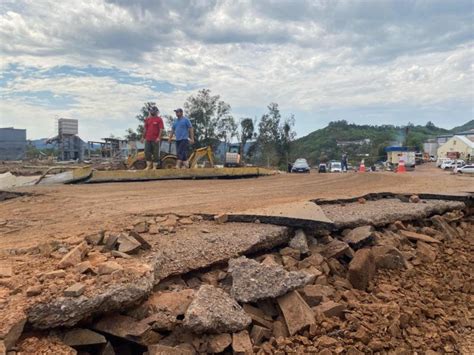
[[253, 261]]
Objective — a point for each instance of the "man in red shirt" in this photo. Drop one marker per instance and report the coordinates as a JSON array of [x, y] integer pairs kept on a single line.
[[151, 136]]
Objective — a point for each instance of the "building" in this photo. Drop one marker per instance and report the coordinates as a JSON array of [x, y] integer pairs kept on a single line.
[[12, 143], [430, 147], [395, 154], [458, 147], [70, 146]]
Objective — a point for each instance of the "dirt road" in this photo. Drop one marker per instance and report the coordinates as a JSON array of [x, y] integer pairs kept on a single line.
[[64, 211]]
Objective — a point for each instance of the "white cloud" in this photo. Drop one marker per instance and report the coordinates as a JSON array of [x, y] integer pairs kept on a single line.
[[311, 57]]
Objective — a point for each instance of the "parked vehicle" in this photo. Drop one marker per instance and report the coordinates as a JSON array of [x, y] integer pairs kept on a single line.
[[453, 164], [335, 167], [300, 166], [322, 168], [466, 169], [446, 164], [440, 161]]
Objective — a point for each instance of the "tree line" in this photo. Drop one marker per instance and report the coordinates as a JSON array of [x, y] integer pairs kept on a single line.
[[265, 140]]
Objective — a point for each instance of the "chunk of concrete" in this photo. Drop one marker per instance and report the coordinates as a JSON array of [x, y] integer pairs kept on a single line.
[[441, 224], [95, 238], [108, 267], [163, 310], [361, 269], [299, 242], [259, 334], [388, 257], [74, 257], [84, 267], [34, 290], [258, 317], [80, 337], [11, 329], [315, 294], [127, 328], [218, 343], [360, 237], [330, 309], [128, 244], [110, 240], [119, 254], [75, 290], [241, 343], [54, 274], [252, 281], [298, 315], [214, 311], [425, 252], [418, 236], [335, 249]]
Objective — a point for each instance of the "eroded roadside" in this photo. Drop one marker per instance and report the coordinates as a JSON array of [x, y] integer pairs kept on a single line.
[[186, 284]]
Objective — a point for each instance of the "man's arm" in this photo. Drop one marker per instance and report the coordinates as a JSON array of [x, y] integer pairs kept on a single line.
[[171, 135], [191, 135]]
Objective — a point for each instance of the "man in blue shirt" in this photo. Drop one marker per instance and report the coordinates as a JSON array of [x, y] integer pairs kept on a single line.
[[183, 130]]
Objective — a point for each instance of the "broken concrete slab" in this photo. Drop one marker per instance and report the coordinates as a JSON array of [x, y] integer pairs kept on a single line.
[[95, 238], [299, 242], [67, 311], [252, 281], [302, 214], [418, 236], [360, 237], [296, 312], [81, 336], [181, 255], [74, 257], [361, 269], [214, 311]]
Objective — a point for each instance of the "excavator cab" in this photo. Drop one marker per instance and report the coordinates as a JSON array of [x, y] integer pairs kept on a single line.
[[233, 156]]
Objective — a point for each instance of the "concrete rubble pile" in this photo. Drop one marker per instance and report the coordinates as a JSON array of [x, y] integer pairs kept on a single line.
[[352, 291]]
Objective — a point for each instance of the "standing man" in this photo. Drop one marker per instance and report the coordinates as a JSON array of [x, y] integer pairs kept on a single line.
[[344, 162], [183, 129], [151, 136]]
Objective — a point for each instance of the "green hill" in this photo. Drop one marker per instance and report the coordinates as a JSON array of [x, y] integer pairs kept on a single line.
[[322, 145], [465, 127]]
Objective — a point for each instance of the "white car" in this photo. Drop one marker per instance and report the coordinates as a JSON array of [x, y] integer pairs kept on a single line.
[[446, 164], [440, 161], [336, 167], [466, 169]]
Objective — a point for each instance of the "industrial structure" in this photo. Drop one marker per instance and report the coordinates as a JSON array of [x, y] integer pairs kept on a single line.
[[70, 146], [457, 147], [12, 143]]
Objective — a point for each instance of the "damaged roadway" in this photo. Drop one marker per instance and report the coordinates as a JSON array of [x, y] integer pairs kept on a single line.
[[155, 252]]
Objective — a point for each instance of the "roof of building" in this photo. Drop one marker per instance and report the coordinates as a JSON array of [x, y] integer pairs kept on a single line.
[[466, 140]]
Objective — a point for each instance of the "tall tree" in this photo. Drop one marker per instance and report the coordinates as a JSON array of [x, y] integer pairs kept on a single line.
[[268, 135], [210, 117], [247, 132], [287, 135]]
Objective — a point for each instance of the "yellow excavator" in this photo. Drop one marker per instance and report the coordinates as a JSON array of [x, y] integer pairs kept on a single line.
[[168, 157]]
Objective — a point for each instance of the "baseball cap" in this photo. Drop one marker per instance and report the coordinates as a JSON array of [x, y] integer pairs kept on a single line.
[[178, 110]]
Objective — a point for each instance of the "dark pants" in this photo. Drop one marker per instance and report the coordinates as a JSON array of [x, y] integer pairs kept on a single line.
[[182, 149], [152, 151]]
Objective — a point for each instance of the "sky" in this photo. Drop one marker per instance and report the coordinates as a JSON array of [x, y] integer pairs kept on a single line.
[[368, 62]]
